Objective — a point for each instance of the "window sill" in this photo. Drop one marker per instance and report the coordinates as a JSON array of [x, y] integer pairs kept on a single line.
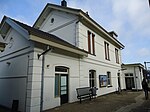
[[92, 54], [109, 86], [102, 86], [107, 59]]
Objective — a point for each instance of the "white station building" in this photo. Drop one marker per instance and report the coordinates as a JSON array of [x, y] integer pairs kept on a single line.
[[41, 66]]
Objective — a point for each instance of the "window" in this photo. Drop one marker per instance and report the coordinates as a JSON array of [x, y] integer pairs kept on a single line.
[[108, 78], [117, 56], [57, 85], [92, 78], [106, 46], [52, 20], [91, 43]]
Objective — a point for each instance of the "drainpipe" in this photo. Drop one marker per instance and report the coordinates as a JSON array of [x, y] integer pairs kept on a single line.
[[42, 83], [42, 74], [135, 78], [76, 33]]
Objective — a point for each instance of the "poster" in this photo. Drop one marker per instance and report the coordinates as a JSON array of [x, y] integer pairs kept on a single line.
[[102, 80]]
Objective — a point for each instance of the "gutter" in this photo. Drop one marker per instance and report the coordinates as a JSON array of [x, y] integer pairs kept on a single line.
[[58, 45]]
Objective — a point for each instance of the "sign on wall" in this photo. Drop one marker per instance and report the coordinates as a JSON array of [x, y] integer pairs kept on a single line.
[[102, 80]]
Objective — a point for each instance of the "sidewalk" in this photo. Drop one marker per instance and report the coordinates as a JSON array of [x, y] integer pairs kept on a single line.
[[129, 108], [123, 102]]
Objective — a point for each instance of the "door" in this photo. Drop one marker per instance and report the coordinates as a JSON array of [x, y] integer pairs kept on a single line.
[[119, 85], [129, 83], [64, 88], [61, 83]]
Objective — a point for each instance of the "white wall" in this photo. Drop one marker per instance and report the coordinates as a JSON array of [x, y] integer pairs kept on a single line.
[[15, 42], [98, 61], [101, 69], [78, 77], [64, 25], [99, 46], [53, 60], [138, 76], [13, 70], [13, 79]]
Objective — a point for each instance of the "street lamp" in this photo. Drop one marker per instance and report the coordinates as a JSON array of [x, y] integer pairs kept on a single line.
[[146, 62]]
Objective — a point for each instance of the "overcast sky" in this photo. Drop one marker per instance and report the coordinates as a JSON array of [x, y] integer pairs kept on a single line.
[[130, 19]]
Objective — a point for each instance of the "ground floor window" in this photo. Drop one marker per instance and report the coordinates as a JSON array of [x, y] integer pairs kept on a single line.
[[108, 78], [57, 85], [92, 78]]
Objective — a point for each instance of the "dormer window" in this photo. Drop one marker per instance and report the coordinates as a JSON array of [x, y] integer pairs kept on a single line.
[[91, 43]]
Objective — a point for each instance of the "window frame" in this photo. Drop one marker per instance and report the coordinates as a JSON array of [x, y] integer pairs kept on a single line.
[[57, 94], [106, 47], [91, 79], [59, 70], [117, 55], [109, 79], [91, 42]]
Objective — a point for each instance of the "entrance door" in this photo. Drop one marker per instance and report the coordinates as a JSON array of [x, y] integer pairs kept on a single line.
[[61, 83], [64, 89], [129, 83]]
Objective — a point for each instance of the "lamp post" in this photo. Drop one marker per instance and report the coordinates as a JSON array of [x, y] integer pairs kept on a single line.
[[146, 62], [146, 70]]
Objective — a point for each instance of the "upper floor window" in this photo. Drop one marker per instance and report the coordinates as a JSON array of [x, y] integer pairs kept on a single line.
[[117, 55], [106, 46], [91, 43]]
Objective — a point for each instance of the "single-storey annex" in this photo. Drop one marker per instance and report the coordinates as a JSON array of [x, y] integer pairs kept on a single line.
[[133, 74]]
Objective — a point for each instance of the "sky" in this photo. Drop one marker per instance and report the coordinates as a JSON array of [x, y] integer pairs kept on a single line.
[[130, 19]]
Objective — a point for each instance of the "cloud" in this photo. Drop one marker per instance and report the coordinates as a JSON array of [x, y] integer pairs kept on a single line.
[[144, 52]]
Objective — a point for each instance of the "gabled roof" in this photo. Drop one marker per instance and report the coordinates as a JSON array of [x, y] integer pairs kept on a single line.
[[84, 17], [48, 39]]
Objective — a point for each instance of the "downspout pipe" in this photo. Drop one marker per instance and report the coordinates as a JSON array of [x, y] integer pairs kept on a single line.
[[42, 75], [135, 78]]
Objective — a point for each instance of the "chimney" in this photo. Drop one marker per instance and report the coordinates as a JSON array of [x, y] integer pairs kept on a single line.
[[87, 13], [63, 3], [113, 34]]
